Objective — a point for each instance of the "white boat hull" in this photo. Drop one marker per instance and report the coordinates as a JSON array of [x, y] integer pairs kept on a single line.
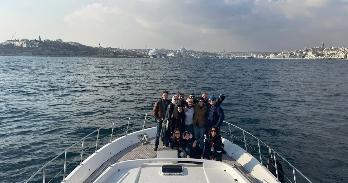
[[144, 170]]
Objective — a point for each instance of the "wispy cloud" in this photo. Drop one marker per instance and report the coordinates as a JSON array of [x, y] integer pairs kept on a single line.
[[95, 12]]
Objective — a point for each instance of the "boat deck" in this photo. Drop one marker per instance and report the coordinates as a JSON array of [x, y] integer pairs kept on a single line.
[[146, 151]]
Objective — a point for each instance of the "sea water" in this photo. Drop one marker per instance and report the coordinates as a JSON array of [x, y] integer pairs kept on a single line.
[[299, 107]]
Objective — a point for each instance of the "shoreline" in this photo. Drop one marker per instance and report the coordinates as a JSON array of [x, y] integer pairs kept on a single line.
[[173, 58]]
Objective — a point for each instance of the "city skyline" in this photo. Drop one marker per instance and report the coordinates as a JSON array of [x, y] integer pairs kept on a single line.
[[236, 25]]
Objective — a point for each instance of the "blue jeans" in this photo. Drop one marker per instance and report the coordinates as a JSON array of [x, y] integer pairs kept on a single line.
[[199, 135], [158, 133]]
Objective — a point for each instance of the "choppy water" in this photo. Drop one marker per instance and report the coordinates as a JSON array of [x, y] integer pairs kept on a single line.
[[299, 107]]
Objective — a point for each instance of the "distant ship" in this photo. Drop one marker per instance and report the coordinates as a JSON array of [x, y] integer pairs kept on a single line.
[[154, 53]]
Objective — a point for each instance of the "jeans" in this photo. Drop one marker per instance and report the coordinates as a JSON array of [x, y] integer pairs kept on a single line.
[[165, 133], [199, 135], [158, 133]]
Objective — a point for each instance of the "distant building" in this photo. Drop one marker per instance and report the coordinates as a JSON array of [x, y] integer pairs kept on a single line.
[[275, 56], [310, 55], [16, 42]]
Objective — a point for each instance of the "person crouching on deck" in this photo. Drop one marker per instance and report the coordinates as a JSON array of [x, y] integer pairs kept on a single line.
[[176, 142], [190, 146], [213, 146]]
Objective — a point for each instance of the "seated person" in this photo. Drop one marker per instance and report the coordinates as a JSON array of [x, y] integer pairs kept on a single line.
[[176, 142], [213, 146], [190, 146]]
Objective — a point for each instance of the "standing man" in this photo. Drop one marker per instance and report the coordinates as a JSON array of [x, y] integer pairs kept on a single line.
[[189, 111], [215, 114], [172, 107], [199, 121], [159, 111]]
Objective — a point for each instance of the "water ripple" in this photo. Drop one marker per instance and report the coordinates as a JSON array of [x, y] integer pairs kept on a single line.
[[46, 104]]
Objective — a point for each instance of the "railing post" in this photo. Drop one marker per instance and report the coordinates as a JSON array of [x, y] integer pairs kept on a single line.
[[145, 121], [275, 164], [44, 175], [96, 142], [258, 144], [128, 125], [294, 173], [270, 156], [112, 131], [65, 153], [82, 151], [229, 129], [246, 148]]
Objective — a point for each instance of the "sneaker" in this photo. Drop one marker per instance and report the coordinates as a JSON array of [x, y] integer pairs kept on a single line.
[[155, 149]]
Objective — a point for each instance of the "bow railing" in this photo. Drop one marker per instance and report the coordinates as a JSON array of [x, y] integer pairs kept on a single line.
[[282, 169], [63, 163]]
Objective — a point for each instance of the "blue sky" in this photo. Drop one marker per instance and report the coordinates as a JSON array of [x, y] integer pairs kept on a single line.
[[214, 25]]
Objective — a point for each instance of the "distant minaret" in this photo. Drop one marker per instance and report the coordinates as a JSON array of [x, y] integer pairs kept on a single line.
[[322, 46], [40, 38]]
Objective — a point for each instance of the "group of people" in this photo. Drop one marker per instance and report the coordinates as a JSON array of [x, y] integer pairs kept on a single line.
[[190, 125]]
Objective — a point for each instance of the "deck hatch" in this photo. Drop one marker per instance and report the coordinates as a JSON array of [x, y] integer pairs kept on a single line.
[[172, 170]]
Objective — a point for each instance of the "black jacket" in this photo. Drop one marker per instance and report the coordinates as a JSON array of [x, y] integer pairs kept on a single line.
[[175, 119], [213, 148], [176, 143]]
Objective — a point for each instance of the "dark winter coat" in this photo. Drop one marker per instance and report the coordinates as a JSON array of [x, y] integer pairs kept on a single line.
[[215, 116], [176, 143], [159, 109], [213, 148], [175, 119]]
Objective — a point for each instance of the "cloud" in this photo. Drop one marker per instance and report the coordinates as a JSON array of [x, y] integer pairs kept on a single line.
[[95, 12], [212, 25]]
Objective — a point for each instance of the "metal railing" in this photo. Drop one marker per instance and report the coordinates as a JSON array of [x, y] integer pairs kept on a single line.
[[74, 154], [282, 169], [49, 163]]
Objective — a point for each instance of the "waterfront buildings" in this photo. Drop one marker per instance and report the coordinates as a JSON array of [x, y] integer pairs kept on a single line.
[[60, 48]]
